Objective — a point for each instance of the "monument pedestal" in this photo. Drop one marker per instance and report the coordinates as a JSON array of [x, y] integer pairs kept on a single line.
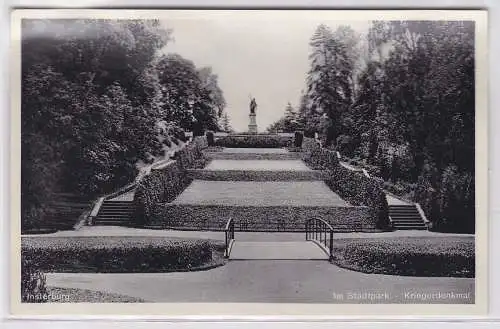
[[252, 126]]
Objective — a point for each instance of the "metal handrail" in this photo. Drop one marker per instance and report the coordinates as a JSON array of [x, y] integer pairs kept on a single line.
[[229, 232], [320, 231]]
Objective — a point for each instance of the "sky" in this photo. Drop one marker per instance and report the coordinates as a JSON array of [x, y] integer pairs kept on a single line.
[[257, 54]]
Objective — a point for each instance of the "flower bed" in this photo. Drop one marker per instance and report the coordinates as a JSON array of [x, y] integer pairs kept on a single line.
[[410, 256], [118, 254], [254, 141]]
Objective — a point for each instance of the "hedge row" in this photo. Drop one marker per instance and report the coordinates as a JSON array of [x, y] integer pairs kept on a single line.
[[191, 156], [350, 185], [161, 185], [254, 141], [165, 184], [269, 218], [116, 254], [320, 158], [449, 257], [358, 189]]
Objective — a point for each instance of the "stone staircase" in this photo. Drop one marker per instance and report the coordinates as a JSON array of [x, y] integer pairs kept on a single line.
[[115, 213], [406, 217]]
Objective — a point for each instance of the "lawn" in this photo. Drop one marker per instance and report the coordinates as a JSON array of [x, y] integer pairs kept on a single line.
[[410, 256]]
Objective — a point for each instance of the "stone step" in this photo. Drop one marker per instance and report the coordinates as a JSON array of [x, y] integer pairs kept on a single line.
[[407, 219], [117, 203], [116, 211], [115, 215], [415, 227], [108, 222]]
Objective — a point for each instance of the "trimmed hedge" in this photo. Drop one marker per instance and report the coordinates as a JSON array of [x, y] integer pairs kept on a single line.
[[258, 218], [255, 175], [254, 141], [116, 254], [166, 183], [161, 185], [352, 186], [358, 189], [411, 256]]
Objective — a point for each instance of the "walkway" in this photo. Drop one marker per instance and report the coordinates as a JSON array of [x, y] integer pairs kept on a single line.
[[240, 236], [264, 281], [283, 250]]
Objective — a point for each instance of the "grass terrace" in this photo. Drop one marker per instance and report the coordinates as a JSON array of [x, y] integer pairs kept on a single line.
[[259, 194]]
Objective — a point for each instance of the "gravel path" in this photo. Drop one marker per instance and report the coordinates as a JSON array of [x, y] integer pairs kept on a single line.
[[273, 281], [240, 236]]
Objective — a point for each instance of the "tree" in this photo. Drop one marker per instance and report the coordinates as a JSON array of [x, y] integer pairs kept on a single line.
[[226, 123], [290, 117], [85, 119], [329, 81], [209, 81], [287, 123], [185, 100]]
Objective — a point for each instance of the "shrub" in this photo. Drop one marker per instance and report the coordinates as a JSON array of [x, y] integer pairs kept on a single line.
[[166, 183], [360, 190], [451, 257], [210, 138], [257, 141], [161, 185], [33, 289], [352, 186], [116, 254], [299, 136]]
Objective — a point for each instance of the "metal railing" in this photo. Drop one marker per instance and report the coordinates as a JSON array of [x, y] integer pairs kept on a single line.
[[229, 231], [322, 232]]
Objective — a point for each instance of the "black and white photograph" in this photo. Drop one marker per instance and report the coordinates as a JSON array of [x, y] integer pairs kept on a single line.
[[250, 157]]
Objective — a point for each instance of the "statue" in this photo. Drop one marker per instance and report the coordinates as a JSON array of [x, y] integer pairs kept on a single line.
[[253, 106], [252, 126]]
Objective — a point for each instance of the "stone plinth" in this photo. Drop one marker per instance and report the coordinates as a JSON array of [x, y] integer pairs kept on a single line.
[[252, 126]]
